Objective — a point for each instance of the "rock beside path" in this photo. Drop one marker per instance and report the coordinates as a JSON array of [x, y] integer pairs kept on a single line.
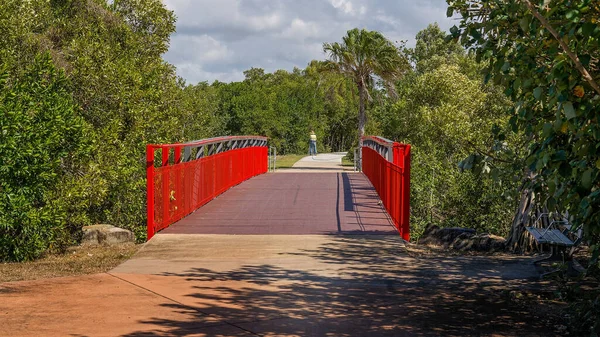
[[479, 243], [444, 236], [463, 239], [106, 234]]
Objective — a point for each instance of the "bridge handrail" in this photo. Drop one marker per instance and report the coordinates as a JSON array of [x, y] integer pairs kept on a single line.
[[387, 165], [391, 151], [188, 175], [209, 141]]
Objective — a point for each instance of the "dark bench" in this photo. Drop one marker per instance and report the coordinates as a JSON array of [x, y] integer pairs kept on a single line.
[[550, 236], [557, 239]]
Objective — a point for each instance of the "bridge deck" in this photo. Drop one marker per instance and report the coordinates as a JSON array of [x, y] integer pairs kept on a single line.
[[292, 203]]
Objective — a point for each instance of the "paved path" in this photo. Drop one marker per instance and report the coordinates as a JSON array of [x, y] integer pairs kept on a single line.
[[323, 162], [278, 285]]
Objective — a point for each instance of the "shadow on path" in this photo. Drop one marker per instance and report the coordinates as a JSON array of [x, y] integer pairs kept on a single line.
[[360, 286]]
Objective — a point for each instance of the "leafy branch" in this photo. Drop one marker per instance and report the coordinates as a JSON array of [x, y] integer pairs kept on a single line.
[[580, 67]]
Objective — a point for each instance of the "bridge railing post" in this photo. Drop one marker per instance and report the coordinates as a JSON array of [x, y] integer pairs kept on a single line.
[[150, 191], [402, 156], [406, 194], [272, 159], [165, 172]]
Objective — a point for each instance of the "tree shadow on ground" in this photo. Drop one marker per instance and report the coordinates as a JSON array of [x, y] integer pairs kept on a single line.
[[358, 286]]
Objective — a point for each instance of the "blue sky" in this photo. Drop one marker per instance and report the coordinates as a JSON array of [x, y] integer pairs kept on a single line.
[[219, 39]]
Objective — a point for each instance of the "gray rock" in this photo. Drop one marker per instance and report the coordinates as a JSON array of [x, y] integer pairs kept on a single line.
[[106, 234], [463, 239], [444, 236]]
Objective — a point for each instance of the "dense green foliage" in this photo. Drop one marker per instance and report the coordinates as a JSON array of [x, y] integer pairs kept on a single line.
[[546, 54], [556, 106], [286, 106], [443, 110], [84, 88], [42, 142]]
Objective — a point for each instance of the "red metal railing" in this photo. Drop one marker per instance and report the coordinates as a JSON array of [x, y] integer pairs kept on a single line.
[[187, 176], [387, 165]]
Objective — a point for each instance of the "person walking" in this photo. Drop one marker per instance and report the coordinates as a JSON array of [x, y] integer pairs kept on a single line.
[[312, 146]]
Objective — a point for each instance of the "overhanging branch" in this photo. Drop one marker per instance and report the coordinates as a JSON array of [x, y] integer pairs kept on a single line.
[[586, 75]]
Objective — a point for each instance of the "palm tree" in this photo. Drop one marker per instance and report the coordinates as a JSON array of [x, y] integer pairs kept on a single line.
[[363, 57]]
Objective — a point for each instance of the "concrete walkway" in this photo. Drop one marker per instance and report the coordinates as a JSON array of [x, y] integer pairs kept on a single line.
[[323, 162], [278, 285]]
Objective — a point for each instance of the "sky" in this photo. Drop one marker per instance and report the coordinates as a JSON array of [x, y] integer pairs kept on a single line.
[[219, 39]]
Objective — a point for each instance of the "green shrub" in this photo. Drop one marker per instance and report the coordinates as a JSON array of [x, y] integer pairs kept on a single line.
[[41, 142]]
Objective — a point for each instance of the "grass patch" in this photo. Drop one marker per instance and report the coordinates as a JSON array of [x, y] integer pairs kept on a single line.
[[288, 160], [347, 162], [78, 260]]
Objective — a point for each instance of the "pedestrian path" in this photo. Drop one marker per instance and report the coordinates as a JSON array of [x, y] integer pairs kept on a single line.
[[324, 162], [279, 285]]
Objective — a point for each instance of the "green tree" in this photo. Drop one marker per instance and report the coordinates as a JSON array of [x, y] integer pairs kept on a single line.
[[285, 106], [545, 55], [363, 56], [42, 143], [199, 106], [336, 107], [431, 49], [441, 108], [110, 54], [546, 59]]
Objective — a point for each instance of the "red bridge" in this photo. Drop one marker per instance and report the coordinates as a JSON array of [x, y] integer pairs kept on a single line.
[[222, 264], [201, 283], [184, 178]]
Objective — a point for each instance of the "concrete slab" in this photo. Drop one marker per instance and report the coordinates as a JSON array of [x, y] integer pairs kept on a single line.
[[168, 254], [324, 159], [319, 285], [324, 162], [279, 285]]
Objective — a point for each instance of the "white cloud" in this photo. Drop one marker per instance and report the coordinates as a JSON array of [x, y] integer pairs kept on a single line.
[[206, 49], [219, 39], [265, 22], [299, 30], [343, 5], [195, 70]]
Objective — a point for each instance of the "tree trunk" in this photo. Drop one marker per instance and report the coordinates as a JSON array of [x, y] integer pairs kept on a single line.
[[362, 116], [362, 119], [527, 215], [521, 219]]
